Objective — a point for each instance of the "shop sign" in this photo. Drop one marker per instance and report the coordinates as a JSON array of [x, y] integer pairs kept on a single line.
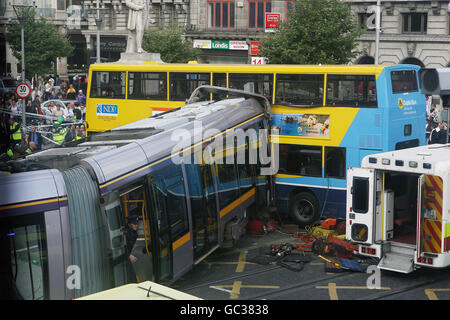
[[202, 44], [272, 21], [238, 45], [258, 60], [220, 44], [254, 48]]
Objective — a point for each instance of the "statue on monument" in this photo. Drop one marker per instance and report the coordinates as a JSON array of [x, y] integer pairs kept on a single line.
[[137, 23]]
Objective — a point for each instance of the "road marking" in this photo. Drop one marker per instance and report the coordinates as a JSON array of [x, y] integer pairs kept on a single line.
[[332, 289], [237, 286], [431, 293], [240, 263]]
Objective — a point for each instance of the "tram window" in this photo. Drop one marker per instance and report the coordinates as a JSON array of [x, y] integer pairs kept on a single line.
[[301, 160], [300, 89], [226, 176], [244, 167], [183, 84], [404, 81], [351, 91], [252, 82], [335, 166], [147, 85], [28, 258], [108, 84]]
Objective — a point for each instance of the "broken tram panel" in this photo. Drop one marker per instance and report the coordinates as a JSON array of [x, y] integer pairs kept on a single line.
[[397, 208]]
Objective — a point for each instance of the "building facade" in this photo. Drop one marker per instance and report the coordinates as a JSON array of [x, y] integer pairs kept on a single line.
[[228, 31]]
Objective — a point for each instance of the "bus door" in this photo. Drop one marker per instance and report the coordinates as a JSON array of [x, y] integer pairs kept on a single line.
[[360, 205], [140, 256]]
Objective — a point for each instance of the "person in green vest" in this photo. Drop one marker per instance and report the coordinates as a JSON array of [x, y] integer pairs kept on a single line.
[[15, 132], [58, 131]]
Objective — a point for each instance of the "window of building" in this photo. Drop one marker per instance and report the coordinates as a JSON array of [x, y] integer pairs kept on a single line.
[[108, 84], [255, 83], [415, 22], [301, 160], [183, 84], [257, 11], [351, 91], [404, 81], [299, 89], [220, 13], [147, 85]]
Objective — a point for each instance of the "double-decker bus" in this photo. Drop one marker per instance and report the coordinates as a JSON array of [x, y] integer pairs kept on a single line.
[[329, 116]]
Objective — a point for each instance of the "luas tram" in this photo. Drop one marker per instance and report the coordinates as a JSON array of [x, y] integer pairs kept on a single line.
[[62, 228]]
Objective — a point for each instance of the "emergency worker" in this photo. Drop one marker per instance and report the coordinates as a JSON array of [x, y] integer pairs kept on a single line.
[[58, 131], [15, 132]]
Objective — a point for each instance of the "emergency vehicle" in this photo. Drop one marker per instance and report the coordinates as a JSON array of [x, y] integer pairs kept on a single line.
[[398, 208]]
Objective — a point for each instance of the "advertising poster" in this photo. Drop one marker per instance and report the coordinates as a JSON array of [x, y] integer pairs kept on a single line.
[[302, 125]]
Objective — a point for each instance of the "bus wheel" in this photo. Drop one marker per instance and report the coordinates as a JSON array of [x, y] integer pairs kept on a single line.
[[304, 208]]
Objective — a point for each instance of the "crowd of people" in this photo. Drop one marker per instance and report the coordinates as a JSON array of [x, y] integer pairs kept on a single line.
[[60, 124], [436, 128]]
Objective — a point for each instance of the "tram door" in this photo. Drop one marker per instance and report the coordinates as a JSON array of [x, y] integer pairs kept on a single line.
[[140, 261], [203, 208]]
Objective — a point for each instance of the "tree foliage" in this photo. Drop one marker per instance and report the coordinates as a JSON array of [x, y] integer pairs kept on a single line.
[[316, 31], [43, 43], [168, 41]]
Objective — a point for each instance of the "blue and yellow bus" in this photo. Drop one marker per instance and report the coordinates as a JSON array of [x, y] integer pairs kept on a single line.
[[328, 120], [330, 116]]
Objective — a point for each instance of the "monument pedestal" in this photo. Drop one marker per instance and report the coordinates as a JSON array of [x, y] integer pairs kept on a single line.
[[127, 57]]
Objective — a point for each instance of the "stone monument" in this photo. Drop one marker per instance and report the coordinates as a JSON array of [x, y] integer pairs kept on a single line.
[[137, 24]]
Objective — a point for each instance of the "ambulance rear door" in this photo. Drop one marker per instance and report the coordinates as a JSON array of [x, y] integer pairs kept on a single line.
[[361, 196]]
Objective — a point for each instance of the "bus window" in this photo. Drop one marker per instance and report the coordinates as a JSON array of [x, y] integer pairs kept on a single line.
[[351, 91], [219, 80], [147, 85], [183, 84], [404, 81], [301, 160], [23, 248], [108, 84], [255, 83], [335, 166], [300, 89]]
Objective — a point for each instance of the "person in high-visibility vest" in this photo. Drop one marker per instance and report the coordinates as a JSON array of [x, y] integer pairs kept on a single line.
[[59, 132], [15, 132]]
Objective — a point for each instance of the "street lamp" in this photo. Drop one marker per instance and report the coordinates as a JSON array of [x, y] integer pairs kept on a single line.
[[377, 30], [98, 23], [22, 12]]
